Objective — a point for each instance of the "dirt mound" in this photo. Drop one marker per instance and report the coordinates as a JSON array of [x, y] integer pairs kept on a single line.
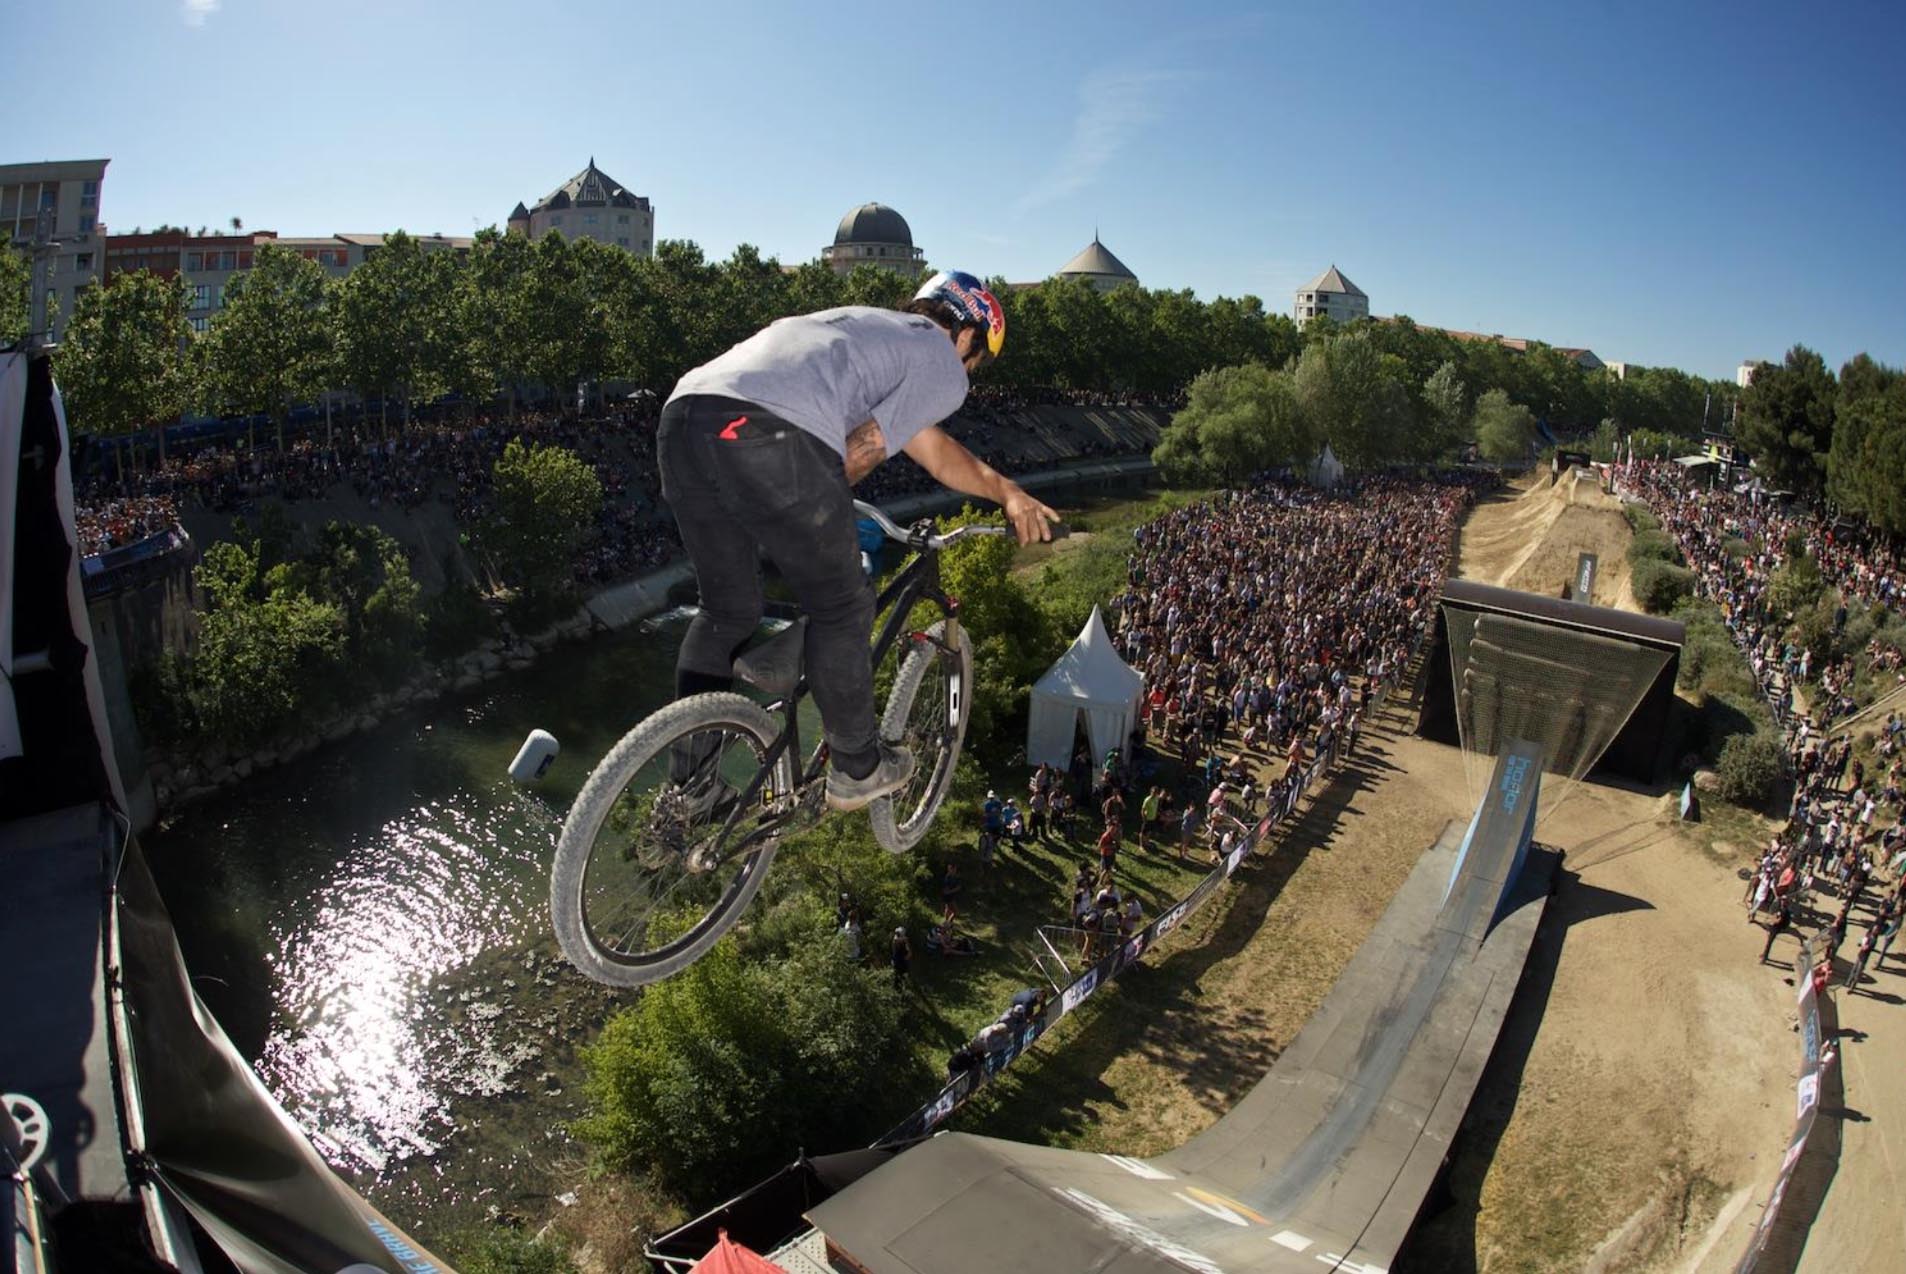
[[1529, 538]]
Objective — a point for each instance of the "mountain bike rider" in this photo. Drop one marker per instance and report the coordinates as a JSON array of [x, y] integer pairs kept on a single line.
[[759, 450]]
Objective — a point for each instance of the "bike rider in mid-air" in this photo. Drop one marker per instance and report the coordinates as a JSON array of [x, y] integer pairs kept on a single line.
[[759, 450]]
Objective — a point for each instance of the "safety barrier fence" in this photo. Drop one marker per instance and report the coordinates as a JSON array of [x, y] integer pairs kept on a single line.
[[131, 565], [1813, 1152]]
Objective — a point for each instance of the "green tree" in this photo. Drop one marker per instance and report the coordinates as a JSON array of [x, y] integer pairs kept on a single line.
[[1504, 430], [267, 652], [267, 344], [1786, 420], [399, 327], [1236, 421], [1866, 464], [1445, 409], [543, 511], [364, 573], [715, 1076], [123, 364], [1352, 395], [15, 276]]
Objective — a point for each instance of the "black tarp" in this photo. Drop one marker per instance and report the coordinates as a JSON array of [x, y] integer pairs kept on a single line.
[[144, 1088]]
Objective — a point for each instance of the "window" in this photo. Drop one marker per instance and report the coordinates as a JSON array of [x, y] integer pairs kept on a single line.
[[622, 242], [90, 190], [86, 223], [228, 260], [589, 219], [244, 260], [83, 261], [49, 197], [195, 261], [622, 218], [201, 296], [198, 323], [555, 218]]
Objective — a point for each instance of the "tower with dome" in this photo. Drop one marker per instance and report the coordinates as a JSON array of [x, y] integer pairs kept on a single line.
[[874, 234]]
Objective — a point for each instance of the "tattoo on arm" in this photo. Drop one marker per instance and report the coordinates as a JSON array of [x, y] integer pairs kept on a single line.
[[866, 448]]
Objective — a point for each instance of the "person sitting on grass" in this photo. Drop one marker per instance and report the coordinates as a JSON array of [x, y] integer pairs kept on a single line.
[[945, 940]]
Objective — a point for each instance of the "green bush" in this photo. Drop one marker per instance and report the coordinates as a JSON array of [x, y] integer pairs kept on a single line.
[[496, 1250], [1652, 546], [714, 1078], [1795, 586], [1640, 518], [1749, 768], [1661, 586]]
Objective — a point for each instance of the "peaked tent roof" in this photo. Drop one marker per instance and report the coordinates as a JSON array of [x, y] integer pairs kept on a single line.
[[1332, 280], [590, 188], [1092, 669], [1095, 260], [730, 1257], [519, 213]]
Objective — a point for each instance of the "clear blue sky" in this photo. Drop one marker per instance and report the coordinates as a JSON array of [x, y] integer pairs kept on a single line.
[[1687, 184]]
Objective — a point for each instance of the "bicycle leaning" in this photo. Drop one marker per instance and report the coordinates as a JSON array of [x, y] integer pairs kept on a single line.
[[672, 835]]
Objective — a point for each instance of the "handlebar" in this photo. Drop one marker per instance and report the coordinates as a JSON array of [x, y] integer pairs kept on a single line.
[[919, 536]]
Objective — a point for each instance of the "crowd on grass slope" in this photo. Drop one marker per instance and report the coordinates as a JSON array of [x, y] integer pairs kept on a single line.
[[452, 459], [1737, 542], [1265, 621], [1842, 837]]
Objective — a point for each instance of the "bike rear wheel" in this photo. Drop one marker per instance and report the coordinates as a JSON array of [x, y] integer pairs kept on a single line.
[[927, 711], [645, 879]]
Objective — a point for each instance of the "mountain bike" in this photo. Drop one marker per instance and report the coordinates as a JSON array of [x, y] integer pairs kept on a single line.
[[673, 833]]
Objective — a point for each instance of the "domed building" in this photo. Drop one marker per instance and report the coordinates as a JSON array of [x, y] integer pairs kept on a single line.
[[1098, 267], [591, 205], [874, 234]]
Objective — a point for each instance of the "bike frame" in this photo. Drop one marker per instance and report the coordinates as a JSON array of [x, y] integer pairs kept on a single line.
[[918, 581]]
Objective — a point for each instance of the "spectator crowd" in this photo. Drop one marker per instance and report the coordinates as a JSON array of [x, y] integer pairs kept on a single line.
[[452, 459], [1842, 837]]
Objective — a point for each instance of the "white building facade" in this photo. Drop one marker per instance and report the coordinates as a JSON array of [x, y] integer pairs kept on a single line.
[[1330, 295], [69, 190], [591, 205]]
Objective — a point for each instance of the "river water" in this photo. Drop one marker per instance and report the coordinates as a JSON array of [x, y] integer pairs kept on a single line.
[[370, 925]]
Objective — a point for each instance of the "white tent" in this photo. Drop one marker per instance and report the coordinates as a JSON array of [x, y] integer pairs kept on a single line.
[[1326, 470], [1088, 678]]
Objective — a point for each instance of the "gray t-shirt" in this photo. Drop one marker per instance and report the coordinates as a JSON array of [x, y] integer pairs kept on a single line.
[[831, 372]]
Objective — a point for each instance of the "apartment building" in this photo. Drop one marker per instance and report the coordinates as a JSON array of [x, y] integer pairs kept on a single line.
[[68, 190]]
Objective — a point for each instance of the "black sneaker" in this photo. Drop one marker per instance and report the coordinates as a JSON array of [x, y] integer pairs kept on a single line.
[[847, 793]]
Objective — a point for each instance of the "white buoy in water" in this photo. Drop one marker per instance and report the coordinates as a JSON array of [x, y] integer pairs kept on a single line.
[[534, 758]]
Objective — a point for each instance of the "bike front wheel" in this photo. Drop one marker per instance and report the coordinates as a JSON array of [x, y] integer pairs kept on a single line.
[[651, 868], [927, 711]]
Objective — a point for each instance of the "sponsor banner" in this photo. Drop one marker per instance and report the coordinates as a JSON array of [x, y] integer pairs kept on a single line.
[[1232, 859], [1807, 1094], [1076, 993], [1170, 920]]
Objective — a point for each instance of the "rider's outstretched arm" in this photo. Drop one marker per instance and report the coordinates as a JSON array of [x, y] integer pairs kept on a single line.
[[952, 465]]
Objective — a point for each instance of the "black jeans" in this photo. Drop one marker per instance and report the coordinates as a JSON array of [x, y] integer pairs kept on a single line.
[[742, 482]]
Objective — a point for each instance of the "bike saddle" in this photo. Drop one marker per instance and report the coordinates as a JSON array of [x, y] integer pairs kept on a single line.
[[774, 666]]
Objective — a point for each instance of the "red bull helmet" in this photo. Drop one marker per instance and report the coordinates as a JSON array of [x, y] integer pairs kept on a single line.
[[967, 297]]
